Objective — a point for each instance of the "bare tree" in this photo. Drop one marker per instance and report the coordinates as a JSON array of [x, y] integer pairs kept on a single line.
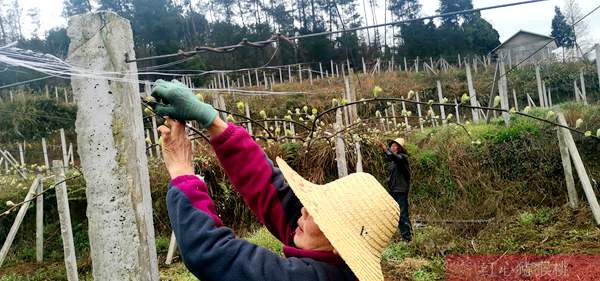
[[573, 14]]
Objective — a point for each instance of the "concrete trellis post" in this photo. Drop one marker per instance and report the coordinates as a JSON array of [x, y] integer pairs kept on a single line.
[[583, 92], [472, 93], [503, 89], [172, 248], [394, 116], [39, 223], [310, 75], [539, 86], [580, 168], [256, 76], [419, 111], [290, 77], [577, 96], [21, 154], [18, 220], [247, 108], [63, 145], [566, 162], [597, 48], [340, 147], [280, 75], [110, 141], [441, 99], [406, 117], [266, 80], [64, 215], [321, 70], [300, 73], [359, 166], [515, 100], [364, 65]]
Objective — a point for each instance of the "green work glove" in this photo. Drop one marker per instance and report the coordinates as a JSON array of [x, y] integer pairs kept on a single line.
[[178, 102]]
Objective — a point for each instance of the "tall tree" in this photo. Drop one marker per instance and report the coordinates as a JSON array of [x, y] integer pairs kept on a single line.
[[561, 31], [448, 6], [75, 7], [121, 7], [581, 28]]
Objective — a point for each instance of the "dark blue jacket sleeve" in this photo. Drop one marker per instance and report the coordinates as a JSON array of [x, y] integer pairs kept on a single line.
[[211, 252]]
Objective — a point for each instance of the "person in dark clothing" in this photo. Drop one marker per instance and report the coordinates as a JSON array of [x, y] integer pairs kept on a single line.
[[399, 181]]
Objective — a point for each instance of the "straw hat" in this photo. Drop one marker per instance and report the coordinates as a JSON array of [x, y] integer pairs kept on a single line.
[[399, 141], [356, 214]]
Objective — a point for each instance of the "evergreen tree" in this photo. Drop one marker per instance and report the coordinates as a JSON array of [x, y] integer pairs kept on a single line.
[[448, 6], [561, 31], [76, 7]]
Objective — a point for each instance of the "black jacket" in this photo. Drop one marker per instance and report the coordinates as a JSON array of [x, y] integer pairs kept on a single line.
[[399, 169]]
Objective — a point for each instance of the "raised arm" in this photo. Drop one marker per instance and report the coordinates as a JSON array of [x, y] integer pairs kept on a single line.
[[211, 252], [260, 183]]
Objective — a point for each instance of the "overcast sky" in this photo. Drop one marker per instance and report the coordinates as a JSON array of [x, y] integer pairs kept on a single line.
[[535, 17]]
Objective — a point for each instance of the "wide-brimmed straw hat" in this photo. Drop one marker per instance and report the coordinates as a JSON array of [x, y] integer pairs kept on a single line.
[[399, 141], [356, 214]]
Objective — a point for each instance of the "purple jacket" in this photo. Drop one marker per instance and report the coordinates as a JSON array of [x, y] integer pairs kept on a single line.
[[211, 251]]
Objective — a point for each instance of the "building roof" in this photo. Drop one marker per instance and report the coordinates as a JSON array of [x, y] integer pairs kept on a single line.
[[545, 37]]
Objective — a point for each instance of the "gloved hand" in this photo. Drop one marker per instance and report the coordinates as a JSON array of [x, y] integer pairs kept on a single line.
[[178, 102]]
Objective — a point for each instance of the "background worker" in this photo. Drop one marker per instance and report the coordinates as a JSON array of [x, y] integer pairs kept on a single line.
[[399, 181]]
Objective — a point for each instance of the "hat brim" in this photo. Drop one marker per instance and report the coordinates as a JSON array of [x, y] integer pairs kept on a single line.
[[322, 202]]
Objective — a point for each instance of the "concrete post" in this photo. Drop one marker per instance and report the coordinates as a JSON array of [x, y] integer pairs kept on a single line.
[[39, 223], [441, 99], [472, 93], [110, 138], [597, 47], [539, 86], [503, 89], [340, 147], [580, 168], [566, 162], [64, 216]]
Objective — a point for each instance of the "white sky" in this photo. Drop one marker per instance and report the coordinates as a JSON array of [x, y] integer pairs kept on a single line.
[[535, 17]]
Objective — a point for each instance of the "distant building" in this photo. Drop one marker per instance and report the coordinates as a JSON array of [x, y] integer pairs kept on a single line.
[[524, 43]]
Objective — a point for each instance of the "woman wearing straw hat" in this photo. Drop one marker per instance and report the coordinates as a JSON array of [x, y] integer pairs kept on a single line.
[[329, 232], [399, 181]]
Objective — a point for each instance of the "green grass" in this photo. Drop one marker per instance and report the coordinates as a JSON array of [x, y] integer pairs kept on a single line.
[[262, 237]]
